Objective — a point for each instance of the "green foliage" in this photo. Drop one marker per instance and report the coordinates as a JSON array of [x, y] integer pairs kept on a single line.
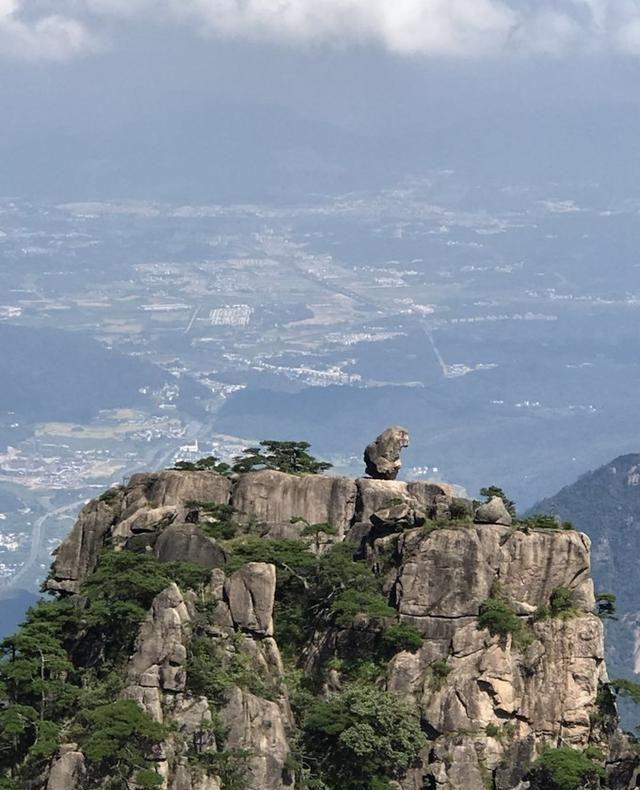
[[211, 670], [490, 491], [543, 521], [360, 738], [562, 603], [627, 688], [401, 636], [606, 605], [501, 733], [563, 769], [459, 510], [121, 590], [350, 603], [116, 739], [438, 673], [230, 765], [217, 521], [207, 464], [145, 778], [290, 457], [110, 494], [315, 531], [312, 590], [498, 617]]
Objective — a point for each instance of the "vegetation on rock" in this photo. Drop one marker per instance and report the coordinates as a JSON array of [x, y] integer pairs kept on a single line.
[[361, 737], [209, 463], [290, 457], [498, 617], [564, 769], [494, 491]]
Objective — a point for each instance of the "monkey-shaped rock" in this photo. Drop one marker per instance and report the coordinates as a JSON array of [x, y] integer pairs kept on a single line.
[[382, 456]]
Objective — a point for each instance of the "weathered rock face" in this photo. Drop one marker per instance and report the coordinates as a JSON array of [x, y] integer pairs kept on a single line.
[[446, 574], [147, 506], [77, 555], [275, 498], [261, 727], [382, 456], [187, 543], [488, 703], [250, 594], [158, 663], [240, 629], [544, 691], [67, 771]]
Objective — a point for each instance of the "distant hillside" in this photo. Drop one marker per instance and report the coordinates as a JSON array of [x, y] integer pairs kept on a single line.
[[50, 374], [605, 504]]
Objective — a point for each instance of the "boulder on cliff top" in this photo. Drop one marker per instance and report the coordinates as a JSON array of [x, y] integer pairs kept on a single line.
[[382, 456], [493, 512]]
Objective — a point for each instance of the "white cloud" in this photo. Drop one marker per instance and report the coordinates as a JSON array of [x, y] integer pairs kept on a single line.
[[453, 28], [49, 36]]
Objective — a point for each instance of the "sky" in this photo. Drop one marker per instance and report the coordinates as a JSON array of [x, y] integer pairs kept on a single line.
[[222, 99]]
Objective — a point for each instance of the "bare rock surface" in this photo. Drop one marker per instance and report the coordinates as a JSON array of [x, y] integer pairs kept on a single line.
[[250, 593], [493, 512], [382, 456], [67, 771], [275, 498], [188, 543], [158, 662], [262, 727]]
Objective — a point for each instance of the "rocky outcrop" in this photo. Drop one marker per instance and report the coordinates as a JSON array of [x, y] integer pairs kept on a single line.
[[145, 507], [489, 701], [77, 555], [261, 727], [274, 498], [158, 664], [250, 594], [493, 512], [188, 543], [67, 771], [382, 456]]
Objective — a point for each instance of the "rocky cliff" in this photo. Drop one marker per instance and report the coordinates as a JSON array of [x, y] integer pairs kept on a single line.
[[325, 632], [605, 503]]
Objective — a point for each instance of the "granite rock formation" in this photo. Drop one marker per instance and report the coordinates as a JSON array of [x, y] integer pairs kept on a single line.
[[382, 456], [489, 703]]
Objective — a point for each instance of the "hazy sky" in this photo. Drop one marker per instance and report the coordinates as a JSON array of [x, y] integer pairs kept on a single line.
[[221, 98]]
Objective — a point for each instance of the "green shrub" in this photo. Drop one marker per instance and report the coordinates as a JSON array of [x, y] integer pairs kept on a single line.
[[354, 602], [438, 673], [290, 457], [501, 733], [563, 769], [606, 605], [459, 510], [211, 670], [360, 738], [121, 589], [110, 494], [627, 688], [494, 491], [562, 603], [401, 636], [117, 738], [217, 521], [497, 616], [207, 464], [540, 521]]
